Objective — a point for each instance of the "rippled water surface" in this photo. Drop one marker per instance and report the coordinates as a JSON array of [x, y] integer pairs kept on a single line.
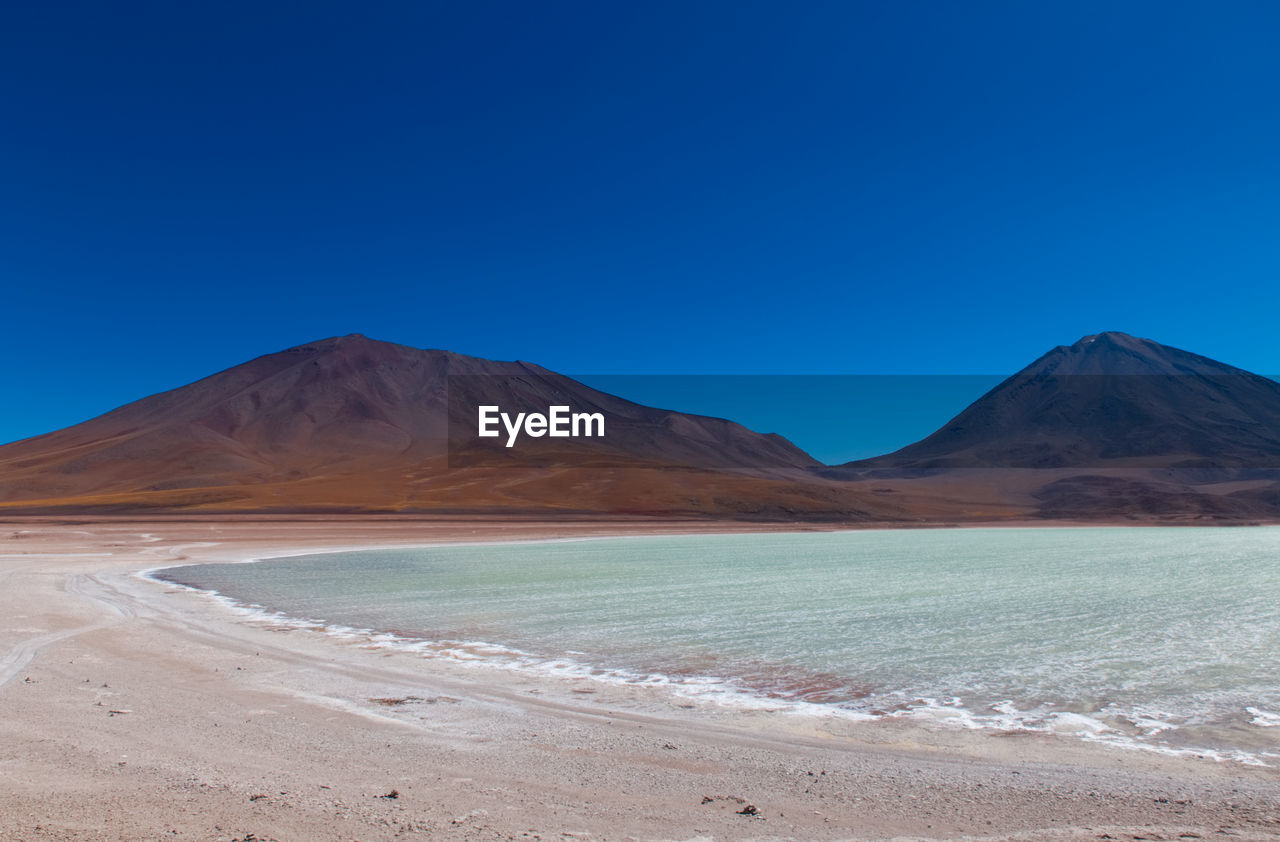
[[1163, 637]]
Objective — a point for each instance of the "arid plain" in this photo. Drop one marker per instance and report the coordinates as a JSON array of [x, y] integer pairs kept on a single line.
[[136, 710]]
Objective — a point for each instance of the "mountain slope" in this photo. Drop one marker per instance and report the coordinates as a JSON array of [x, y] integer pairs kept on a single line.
[[1110, 400], [350, 423], [1110, 428]]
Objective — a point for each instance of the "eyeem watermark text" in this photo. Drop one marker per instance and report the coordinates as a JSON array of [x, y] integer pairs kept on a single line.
[[559, 422]]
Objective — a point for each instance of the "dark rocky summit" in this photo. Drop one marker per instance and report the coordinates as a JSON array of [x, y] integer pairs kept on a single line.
[[1111, 400]]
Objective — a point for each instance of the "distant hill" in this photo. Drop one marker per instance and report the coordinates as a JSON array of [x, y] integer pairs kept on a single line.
[[1110, 400], [354, 424], [1112, 428]]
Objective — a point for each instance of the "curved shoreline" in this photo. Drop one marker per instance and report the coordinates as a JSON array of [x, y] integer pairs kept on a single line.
[[714, 689], [199, 714]]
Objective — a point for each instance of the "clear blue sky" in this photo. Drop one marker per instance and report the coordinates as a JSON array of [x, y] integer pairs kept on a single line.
[[686, 187]]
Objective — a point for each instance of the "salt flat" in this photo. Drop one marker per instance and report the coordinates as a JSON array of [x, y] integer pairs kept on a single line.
[[135, 710]]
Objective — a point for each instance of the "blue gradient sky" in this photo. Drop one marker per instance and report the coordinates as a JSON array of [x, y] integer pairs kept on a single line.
[[707, 187]]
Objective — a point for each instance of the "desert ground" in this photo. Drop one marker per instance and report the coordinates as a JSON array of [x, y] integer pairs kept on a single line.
[[137, 710]]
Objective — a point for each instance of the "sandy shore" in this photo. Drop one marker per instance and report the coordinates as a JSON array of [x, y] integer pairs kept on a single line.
[[133, 710]]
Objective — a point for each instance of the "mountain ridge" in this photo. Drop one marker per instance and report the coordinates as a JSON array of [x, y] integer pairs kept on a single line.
[[1109, 399], [376, 416], [1111, 427]]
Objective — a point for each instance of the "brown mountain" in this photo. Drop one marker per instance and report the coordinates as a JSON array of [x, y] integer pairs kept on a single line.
[[1112, 426], [1111, 400], [350, 423]]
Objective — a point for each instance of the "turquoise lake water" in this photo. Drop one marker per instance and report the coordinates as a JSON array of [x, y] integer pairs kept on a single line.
[[1161, 637]]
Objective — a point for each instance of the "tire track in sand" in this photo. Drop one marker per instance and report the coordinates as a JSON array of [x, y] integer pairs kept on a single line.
[[13, 662]]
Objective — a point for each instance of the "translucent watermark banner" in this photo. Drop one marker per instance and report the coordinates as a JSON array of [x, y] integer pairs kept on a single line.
[[535, 418]]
